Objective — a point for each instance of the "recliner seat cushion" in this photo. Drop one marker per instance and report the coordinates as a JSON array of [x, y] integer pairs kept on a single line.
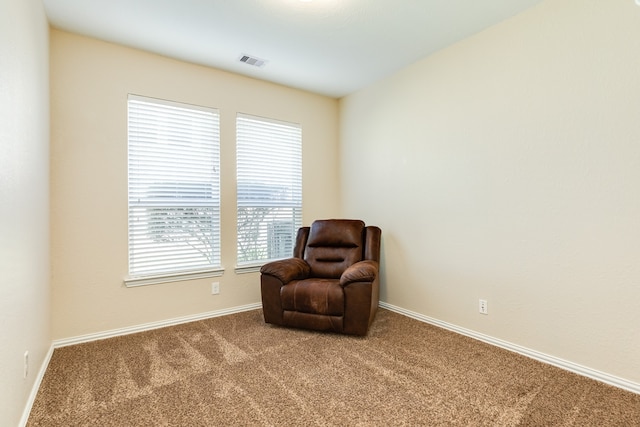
[[315, 296]]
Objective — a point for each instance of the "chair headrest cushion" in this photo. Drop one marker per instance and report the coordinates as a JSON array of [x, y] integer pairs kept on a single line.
[[340, 233]]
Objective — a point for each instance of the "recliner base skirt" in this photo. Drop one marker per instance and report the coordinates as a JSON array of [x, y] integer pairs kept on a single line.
[[315, 322]]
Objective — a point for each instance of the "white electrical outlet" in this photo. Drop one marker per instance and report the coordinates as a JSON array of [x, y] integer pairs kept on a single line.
[[26, 363], [215, 288], [483, 307]]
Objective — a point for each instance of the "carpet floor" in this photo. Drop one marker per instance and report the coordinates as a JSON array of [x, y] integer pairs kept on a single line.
[[237, 371]]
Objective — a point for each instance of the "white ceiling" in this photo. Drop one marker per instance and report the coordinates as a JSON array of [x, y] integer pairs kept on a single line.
[[331, 47]]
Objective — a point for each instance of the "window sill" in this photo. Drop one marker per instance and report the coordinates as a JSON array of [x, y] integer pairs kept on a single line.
[[132, 282], [253, 268]]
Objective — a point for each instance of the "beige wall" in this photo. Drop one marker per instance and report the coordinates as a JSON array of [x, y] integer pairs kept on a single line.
[[24, 201], [507, 167], [90, 82]]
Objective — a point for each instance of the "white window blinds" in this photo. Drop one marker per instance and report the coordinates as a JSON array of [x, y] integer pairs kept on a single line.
[[174, 187], [269, 183]]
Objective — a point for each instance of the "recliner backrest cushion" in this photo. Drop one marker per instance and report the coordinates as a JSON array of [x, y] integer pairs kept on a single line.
[[333, 245]]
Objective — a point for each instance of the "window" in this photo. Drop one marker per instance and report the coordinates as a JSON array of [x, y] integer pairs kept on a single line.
[[269, 180], [174, 190]]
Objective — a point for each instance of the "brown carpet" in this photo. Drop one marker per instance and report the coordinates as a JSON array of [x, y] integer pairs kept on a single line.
[[236, 370]]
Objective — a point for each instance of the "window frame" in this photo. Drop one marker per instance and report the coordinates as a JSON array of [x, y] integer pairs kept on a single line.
[[189, 199], [294, 136]]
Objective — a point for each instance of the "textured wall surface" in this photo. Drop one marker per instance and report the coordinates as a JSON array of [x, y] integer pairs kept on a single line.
[[90, 81], [507, 167], [24, 201]]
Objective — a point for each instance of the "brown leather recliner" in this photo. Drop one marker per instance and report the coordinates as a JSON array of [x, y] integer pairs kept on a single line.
[[330, 284]]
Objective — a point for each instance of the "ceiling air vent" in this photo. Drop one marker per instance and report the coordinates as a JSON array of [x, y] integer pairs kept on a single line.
[[252, 60]]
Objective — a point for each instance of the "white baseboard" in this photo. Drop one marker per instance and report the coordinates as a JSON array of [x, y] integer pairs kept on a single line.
[[533, 354], [153, 325], [36, 386]]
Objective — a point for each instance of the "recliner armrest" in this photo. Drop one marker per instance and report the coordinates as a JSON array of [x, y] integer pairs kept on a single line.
[[287, 270], [362, 271]]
